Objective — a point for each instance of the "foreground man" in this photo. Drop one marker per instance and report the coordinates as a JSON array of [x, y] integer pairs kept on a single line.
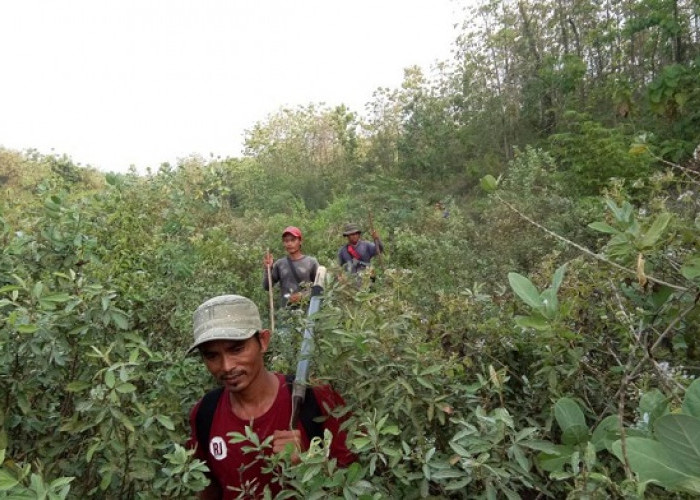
[[228, 333]]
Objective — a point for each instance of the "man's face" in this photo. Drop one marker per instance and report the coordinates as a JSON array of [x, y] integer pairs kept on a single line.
[[236, 363], [353, 238], [292, 244]]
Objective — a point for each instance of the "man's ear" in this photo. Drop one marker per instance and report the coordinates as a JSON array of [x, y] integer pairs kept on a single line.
[[264, 337]]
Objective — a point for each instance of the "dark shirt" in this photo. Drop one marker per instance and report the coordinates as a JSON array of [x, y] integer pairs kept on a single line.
[[364, 249], [231, 466], [306, 269]]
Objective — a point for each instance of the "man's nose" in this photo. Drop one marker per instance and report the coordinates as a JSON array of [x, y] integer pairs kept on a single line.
[[228, 362]]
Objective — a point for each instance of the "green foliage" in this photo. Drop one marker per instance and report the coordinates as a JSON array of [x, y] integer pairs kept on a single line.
[[509, 344], [671, 456], [630, 238], [589, 154]]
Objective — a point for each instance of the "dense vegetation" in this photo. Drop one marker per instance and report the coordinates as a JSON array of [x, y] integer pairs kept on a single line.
[[534, 329]]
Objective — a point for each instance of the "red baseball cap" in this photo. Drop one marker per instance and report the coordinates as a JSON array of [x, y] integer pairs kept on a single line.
[[294, 231]]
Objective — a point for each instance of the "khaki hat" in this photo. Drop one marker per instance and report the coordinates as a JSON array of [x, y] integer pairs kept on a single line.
[[227, 317], [351, 229]]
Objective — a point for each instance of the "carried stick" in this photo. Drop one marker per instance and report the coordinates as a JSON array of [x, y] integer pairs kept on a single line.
[[272, 301], [371, 228]]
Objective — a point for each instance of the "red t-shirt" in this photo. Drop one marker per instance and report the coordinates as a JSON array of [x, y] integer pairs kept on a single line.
[[233, 468]]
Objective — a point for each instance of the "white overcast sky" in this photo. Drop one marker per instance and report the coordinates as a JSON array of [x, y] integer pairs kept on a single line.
[[121, 82]]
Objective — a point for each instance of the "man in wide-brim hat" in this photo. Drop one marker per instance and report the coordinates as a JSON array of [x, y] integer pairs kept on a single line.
[[357, 253]]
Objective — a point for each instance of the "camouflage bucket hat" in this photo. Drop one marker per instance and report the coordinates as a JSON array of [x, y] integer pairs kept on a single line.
[[227, 317], [351, 229]]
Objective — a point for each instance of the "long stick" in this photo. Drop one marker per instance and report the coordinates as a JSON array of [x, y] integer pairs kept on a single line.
[[371, 228], [272, 301]]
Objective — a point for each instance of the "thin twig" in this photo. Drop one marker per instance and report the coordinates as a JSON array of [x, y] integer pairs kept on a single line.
[[586, 250], [685, 170], [666, 333]]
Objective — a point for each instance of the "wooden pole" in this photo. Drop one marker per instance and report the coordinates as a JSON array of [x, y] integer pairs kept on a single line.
[[270, 293], [371, 228]]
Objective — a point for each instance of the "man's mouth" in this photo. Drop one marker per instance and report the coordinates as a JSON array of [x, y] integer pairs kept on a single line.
[[232, 379]]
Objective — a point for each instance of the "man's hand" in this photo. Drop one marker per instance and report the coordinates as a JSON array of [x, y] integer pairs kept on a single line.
[[295, 297], [268, 260], [375, 234], [280, 439]]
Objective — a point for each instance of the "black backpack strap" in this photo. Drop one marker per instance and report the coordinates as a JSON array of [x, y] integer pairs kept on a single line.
[[308, 415], [204, 417], [310, 411], [290, 263]]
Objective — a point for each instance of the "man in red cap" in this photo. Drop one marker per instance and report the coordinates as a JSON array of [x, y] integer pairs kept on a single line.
[[294, 273]]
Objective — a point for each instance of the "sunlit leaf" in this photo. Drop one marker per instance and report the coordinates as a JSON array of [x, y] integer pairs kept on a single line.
[[524, 288]]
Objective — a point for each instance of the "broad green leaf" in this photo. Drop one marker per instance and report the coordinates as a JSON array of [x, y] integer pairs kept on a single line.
[[166, 422], [552, 462], [425, 383], [691, 402], [56, 297], [558, 278], [60, 482], [126, 388], [617, 211], [77, 386], [638, 148], [310, 472], [458, 485], [460, 450], [120, 319], [575, 434], [691, 269], [652, 461], [520, 457], [681, 433], [602, 227], [391, 429], [568, 414], [607, 432], [655, 231], [92, 449], [447, 474], [652, 405], [106, 480], [535, 322], [123, 419], [27, 328], [524, 288], [431, 370], [545, 446], [489, 183], [551, 303], [109, 378], [360, 442], [6, 480], [690, 485]]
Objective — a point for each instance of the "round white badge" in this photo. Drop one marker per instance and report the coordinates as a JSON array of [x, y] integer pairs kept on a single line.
[[217, 448]]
